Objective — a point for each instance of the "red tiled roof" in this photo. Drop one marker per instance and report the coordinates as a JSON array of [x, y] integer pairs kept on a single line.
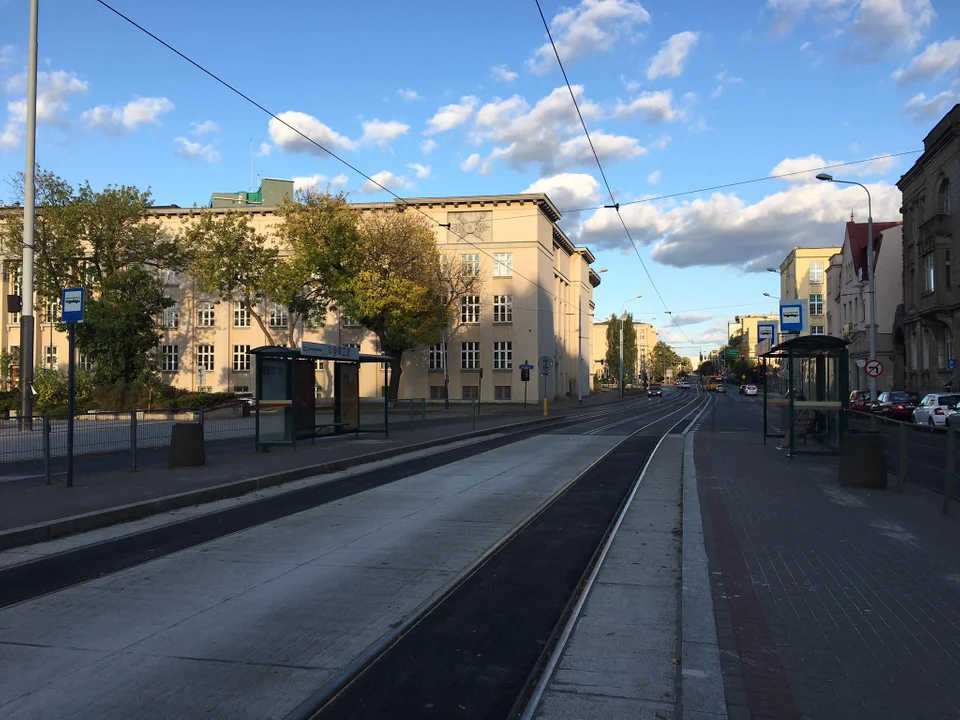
[[857, 237]]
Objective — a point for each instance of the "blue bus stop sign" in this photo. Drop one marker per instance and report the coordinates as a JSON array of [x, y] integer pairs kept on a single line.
[[71, 303], [951, 364]]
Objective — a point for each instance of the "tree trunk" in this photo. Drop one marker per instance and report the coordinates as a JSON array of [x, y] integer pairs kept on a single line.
[[396, 370]]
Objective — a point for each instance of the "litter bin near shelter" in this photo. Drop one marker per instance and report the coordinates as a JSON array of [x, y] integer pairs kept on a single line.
[[862, 461]]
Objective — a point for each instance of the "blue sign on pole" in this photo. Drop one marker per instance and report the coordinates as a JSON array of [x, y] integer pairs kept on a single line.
[[951, 364], [71, 304], [793, 317]]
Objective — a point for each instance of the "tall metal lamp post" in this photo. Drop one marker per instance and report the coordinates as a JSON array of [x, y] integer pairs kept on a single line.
[[623, 319], [872, 291]]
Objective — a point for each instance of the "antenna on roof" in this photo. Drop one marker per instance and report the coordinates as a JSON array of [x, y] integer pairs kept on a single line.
[[851, 215]]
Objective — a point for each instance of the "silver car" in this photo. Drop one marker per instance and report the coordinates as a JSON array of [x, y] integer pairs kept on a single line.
[[934, 408]]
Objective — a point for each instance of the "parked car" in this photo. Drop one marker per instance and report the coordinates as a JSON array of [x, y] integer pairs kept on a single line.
[[655, 391], [750, 390], [897, 405], [860, 401], [933, 409]]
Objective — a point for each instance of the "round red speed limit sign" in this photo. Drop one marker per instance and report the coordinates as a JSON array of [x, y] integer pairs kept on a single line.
[[874, 368]]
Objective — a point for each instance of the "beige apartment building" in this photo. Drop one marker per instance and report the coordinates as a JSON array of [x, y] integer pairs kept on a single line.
[[803, 277], [535, 297], [647, 338], [746, 326]]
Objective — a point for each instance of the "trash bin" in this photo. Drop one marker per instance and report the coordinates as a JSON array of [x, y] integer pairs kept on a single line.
[[186, 445], [862, 460]]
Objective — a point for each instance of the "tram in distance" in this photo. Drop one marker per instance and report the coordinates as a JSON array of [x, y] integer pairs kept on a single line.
[[710, 382]]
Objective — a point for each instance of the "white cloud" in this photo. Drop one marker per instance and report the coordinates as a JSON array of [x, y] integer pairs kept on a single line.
[[408, 94], [654, 177], [723, 230], [378, 132], [288, 140], [631, 85], [921, 108], [319, 182], [568, 190], [813, 162], [593, 26], [385, 178], [450, 116], [549, 134], [672, 55], [724, 81], [661, 142], [653, 107], [10, 137], [471, 163], [689, 318], [428, 146], [936, 59], [264, 150], [503, 74], [207, 126], [806, 46], [421, 171], [53, 92], [195, 151], [137, 112], [7, 53]]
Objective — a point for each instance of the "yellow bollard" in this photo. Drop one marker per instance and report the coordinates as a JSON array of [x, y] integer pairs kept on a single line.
[[545, 412]]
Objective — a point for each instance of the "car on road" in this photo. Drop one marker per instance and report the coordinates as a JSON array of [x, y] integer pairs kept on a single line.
[[743, 389], [721, 388], [897, 405], [934, 408], [750, 390], [655, 391], [684, 385], [860, 400]]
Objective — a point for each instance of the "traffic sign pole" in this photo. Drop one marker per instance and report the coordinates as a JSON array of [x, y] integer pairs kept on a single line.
[[71, 312]]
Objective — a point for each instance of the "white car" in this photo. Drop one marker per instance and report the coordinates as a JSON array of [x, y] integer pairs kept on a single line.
[[750, 390], [934, 408]]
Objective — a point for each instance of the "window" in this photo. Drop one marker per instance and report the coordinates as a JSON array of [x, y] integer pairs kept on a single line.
[[241, 388], [470, 309], [816, 273], [348, 321], [436, 357], [51, 311], [85, 362], [470, 356], [502, 264], [205, 314], [50, 357], [503, 356], [503, 308], [205, 388], [170, 358], [171, 316], [471, 392], [929, 273], [816, 304], [471, 264], [205, 357], [279, 315], [943, 198], [241, 315], [15, 355], [948, 281], [169, 277], [816, 329], [241, 358], [501, 392], [318, 365], [438, 392], [948, 344]]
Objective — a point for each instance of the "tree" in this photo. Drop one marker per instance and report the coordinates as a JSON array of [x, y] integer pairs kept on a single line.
[[663, 358], [105, 242], [393, 280], [629, 347], [707, 368]]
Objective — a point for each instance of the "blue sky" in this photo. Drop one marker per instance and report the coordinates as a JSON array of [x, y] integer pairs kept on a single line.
[[434, 97]]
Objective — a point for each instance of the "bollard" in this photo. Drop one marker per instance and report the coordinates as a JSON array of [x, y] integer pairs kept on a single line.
[[200, 417], [903, 458], [546, 411], [951, 463], [46, 447], [133, 441]]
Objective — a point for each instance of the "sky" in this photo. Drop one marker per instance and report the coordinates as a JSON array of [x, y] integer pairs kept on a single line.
[[438, 98]]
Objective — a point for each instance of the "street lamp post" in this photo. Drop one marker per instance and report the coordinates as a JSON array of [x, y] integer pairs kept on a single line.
[[872, 288], [623, 318], [29, 218]]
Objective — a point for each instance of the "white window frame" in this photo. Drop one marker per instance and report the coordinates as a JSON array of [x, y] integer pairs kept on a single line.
[[279, 316], [503, 264], [469, 356], [206, 314], [471, 264], [169, 358], [241, 358], [169, 278], [816, 273], [241, 315], [435, 357], [206, 359], [503, 309], [84, 362], [503, 355], [470, 310], [929, 273], [817, 330], [816, 304], [51, 357], [171, 317]]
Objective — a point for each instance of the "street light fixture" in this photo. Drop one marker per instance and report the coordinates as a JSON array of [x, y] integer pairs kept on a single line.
[[623, 317], [771, 296], [872, 291]]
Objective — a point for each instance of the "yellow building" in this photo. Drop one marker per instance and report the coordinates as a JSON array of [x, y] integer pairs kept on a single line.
[[746, 326], [536, 293], [803, 277], [647, 337]]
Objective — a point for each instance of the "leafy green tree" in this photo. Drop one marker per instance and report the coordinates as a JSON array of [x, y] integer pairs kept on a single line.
[[707, 368], [663, 358], [629, 347]]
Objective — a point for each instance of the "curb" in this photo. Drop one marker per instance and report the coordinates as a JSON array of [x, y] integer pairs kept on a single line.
[[73, 524], [701, 685]]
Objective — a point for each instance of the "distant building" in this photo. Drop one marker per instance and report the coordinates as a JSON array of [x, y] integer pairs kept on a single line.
[[647, 338], [745, 326], [930, 314], [271, 194], [803, 277]]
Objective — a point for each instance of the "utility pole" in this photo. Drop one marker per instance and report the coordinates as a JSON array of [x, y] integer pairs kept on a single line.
[[29, 219], [621, 352], [580, 348]]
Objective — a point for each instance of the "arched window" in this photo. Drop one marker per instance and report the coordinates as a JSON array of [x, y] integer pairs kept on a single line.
[[943, 197]]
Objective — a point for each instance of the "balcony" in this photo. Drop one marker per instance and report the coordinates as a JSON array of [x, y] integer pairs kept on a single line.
[[937, 224]]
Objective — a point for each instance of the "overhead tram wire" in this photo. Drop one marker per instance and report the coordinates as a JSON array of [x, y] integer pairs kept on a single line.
[[613, 199]]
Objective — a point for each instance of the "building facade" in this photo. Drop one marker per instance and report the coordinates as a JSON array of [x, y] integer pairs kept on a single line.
[[745, 326], [803, 277], [647, 338], [930, 314], [535, 300]]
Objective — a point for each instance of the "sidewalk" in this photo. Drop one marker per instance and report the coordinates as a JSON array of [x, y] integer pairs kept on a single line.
[[829, 602], [29, 504]]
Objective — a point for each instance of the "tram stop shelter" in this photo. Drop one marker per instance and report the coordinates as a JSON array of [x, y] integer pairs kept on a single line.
[[285, 395], [813, 410]]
